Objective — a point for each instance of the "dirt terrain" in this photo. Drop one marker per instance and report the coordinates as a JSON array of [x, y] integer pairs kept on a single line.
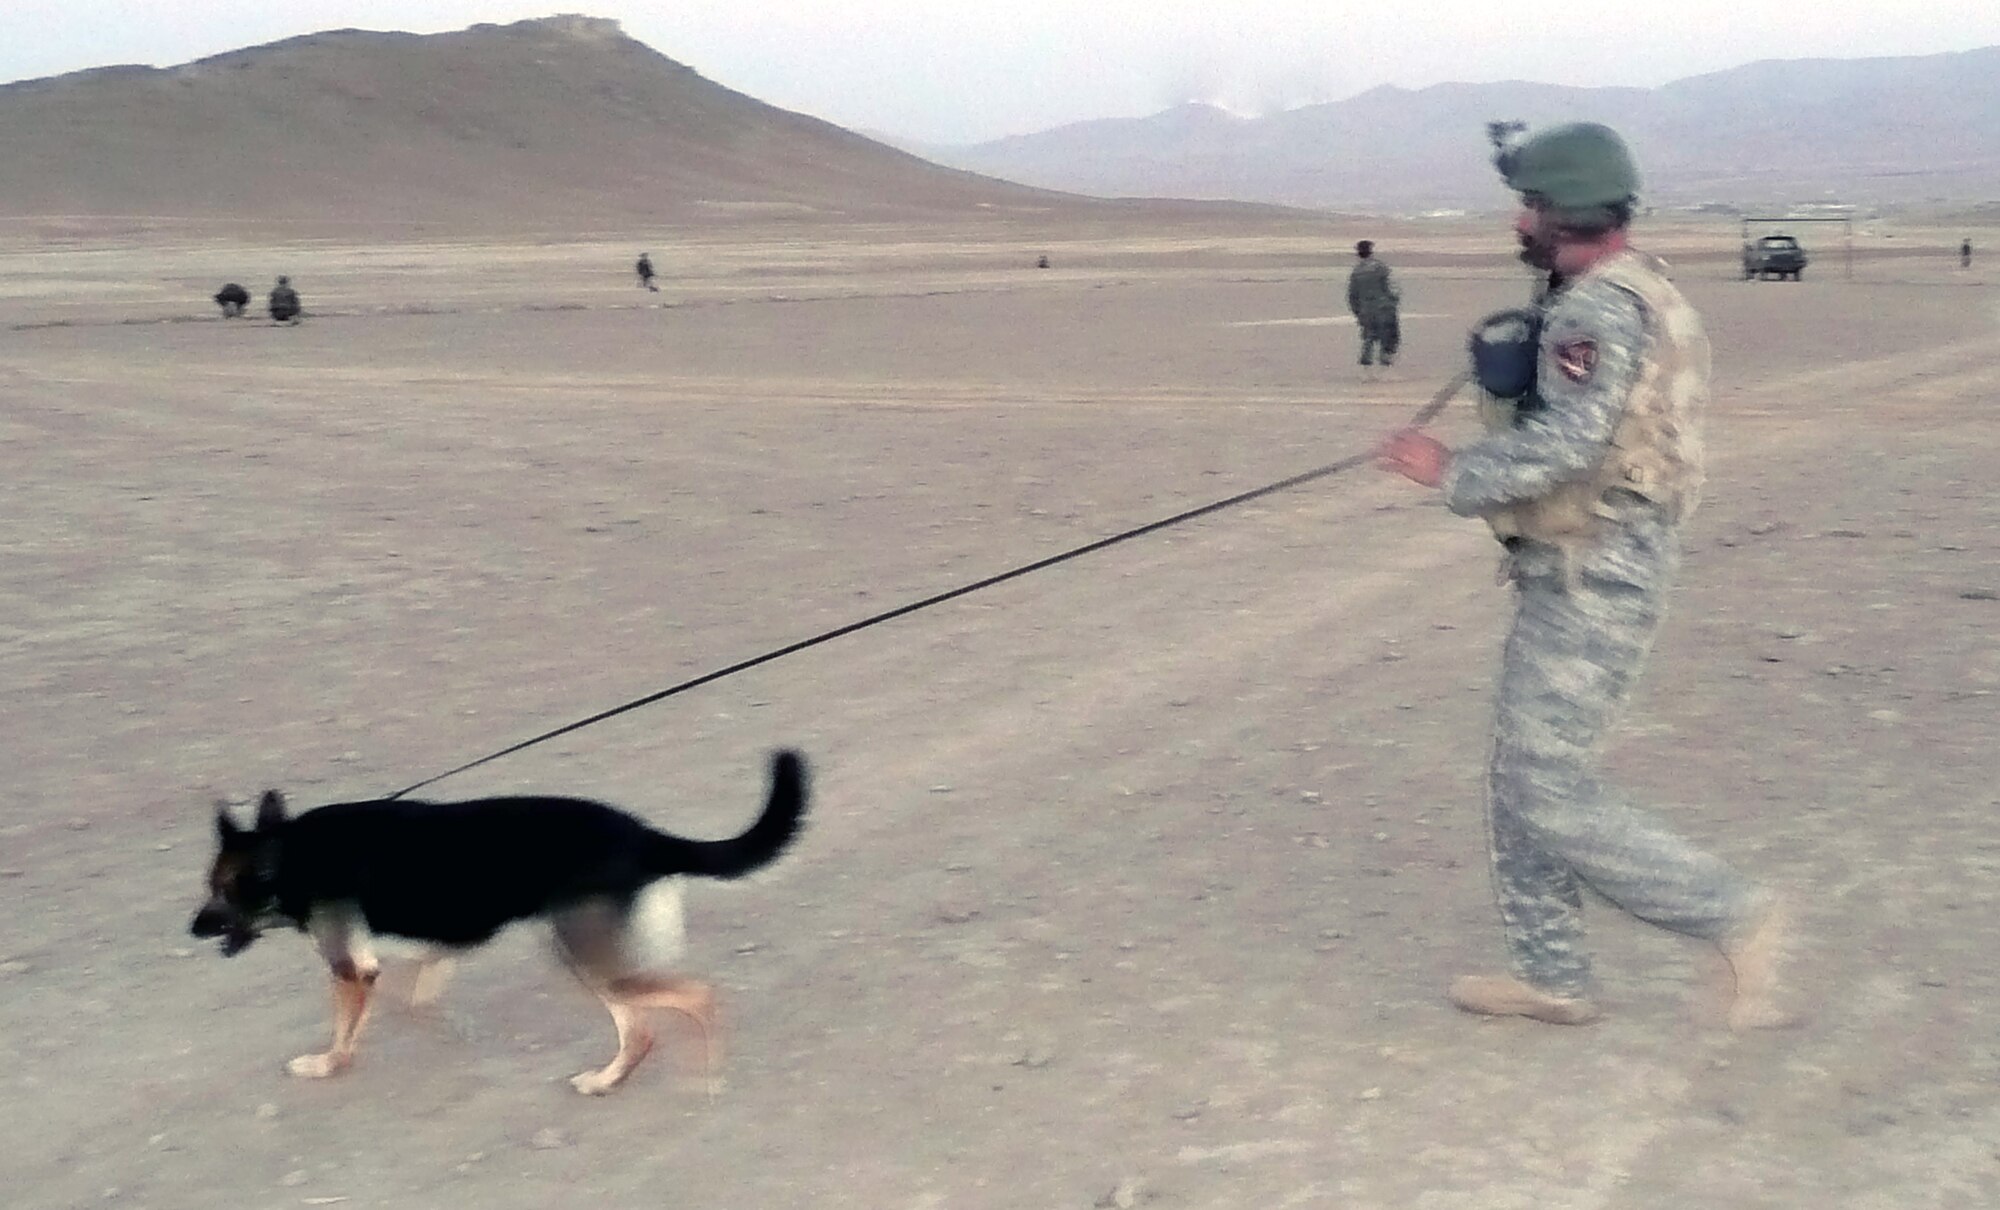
[[1133, 882]]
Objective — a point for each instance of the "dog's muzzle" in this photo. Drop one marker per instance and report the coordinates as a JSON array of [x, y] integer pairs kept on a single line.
[[236, 933]]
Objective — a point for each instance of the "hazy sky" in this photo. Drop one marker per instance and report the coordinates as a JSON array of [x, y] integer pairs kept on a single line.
[[962, 70]]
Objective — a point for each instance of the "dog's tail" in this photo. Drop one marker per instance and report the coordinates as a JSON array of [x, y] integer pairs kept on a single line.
[[755, 848]]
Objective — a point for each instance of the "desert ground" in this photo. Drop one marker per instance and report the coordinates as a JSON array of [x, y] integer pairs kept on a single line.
[[1136, 881]]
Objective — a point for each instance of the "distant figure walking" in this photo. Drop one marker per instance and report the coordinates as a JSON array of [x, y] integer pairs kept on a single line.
[[1965, 255], [232, 298], [1374, 299], [645, 269], [285, 307]]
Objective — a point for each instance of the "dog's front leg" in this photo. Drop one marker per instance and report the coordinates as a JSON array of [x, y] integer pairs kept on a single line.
[[354, 971], [351, 987]]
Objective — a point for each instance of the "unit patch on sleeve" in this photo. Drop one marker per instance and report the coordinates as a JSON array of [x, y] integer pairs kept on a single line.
[[1577, 359]]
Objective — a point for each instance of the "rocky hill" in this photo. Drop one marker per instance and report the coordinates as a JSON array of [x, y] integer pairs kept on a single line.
[[562, 121]]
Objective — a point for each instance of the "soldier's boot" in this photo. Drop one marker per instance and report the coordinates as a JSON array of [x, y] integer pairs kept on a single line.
[[1506, 996], [1753, 956]]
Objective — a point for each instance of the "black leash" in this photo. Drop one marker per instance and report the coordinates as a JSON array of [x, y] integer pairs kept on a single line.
[[1424, 416]]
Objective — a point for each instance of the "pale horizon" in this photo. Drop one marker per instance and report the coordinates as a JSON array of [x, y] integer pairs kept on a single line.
[[907, 70]]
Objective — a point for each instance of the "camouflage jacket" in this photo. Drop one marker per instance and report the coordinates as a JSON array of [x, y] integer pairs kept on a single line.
[[1611, 434]]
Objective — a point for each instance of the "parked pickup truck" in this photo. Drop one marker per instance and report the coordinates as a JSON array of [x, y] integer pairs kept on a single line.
[[1776, 256]]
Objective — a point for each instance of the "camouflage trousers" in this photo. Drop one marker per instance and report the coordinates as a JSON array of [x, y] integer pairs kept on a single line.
[[1555, 828], [1379, 328]]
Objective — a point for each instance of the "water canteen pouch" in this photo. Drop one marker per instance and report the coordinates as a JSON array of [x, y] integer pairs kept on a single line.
[[1504, 348]]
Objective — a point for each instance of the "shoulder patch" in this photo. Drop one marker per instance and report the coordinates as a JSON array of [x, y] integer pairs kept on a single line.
[[1577, 359]]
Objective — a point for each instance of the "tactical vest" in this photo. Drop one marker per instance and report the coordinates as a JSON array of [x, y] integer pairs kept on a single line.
[[1656, 450]]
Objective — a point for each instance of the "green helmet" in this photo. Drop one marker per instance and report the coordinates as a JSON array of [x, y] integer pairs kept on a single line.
[[1579, 171]]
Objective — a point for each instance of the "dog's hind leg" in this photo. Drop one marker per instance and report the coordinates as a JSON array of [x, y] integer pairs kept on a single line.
[[692, 999], [635, 1042], [629, 998], [616, 950], [353, 965], [590, 937], [433, 972]]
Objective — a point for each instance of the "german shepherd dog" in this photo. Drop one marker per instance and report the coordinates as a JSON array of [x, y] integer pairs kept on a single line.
[[449, 875]]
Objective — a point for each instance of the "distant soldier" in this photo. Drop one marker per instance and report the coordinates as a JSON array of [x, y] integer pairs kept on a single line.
[[645, 269], [232, 298], [1965, 254], [285, 307], [1373, 299]]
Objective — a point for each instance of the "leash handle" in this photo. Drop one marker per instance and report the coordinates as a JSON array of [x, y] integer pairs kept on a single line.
[[1424, 416]]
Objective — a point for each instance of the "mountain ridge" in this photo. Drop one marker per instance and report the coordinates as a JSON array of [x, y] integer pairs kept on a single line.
[[1775, 131], [567, 122]]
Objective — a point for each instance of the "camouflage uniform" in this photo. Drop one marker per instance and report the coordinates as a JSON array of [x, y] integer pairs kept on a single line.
[[1587, 483], [1373, 298]]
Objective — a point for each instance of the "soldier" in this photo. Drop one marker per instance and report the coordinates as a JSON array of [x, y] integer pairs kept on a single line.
[[284, 302], [1372, 297], [1587, 481], [1965, 253], [232, 298], [645, 269]]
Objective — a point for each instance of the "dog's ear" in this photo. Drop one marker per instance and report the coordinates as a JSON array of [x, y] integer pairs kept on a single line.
[[225, 827], [270, 811]]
